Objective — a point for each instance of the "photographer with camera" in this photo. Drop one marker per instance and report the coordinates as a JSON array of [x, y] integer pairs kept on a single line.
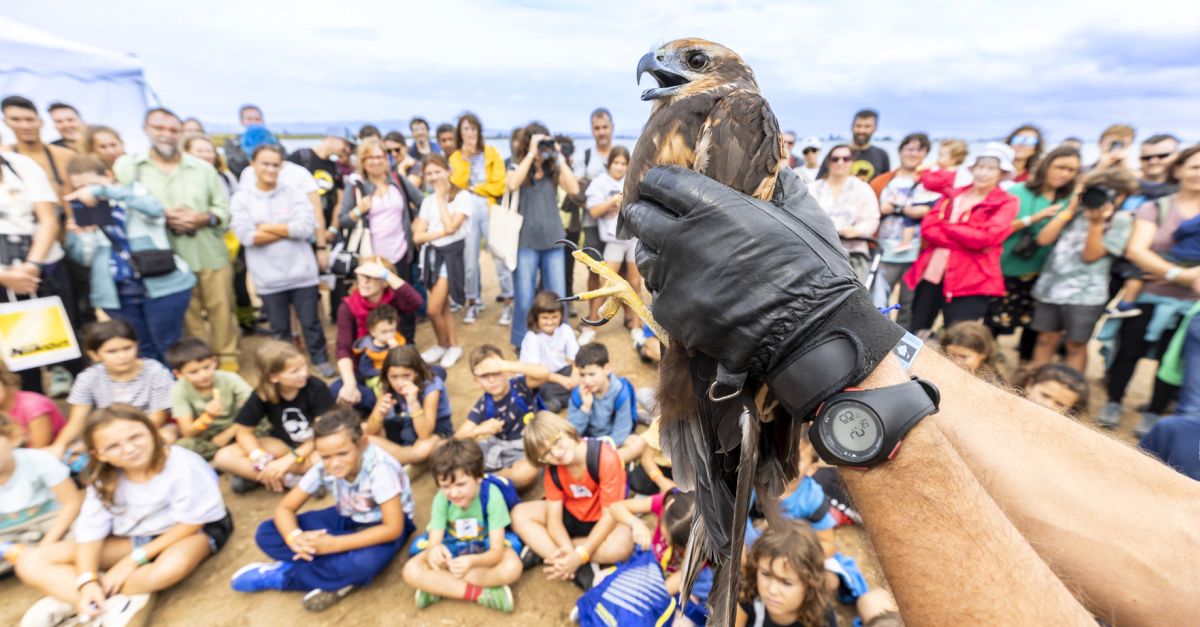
[[119, 232], [539, 171], [1072, 289], [1115, 143]]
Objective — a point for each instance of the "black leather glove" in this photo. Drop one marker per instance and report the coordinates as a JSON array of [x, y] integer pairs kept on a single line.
[[764, 288]]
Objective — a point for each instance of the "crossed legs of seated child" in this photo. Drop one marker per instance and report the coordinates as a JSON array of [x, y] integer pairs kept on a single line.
[[542, 527], [267, 460]]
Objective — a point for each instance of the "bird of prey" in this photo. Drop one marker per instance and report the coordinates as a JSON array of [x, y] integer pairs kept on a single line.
[[709, 116]]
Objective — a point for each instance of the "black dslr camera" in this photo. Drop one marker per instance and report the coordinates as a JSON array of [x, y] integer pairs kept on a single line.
[[1097, 196]]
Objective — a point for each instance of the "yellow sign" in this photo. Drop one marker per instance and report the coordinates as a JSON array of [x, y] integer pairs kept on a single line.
[[36, 333]]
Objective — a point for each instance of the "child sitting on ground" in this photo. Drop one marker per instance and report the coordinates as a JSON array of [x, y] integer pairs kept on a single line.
[[1058, 387], [286, 396], [371, 349], [652, 474], [497, 421], [412, 410], [783, 580], [468, 551], [673, 513], [118, 376], [204, 400], [35, 415], [152, 514], [38, 500], [551, 343], [326, 553], [604, 405], [572, 530]]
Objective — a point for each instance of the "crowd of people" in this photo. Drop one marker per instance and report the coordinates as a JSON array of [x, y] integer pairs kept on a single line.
[[165, 260]]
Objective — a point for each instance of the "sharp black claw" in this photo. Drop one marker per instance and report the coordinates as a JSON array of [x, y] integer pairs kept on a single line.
[[568, 243], [594, 323], [595, 254], [569, 299]]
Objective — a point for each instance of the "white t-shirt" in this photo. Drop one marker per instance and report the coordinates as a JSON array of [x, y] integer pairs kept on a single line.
[[602, 188], [290, 175], [380, 478], [591, 170], [27, 492], [808, 174], [462, 203], [551, 351], [19, 192], [185, 491]]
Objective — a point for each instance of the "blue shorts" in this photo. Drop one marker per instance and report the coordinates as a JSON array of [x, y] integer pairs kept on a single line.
[[471, 547]]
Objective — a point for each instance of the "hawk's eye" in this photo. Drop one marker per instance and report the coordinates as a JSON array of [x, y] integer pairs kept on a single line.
[[697, 60]]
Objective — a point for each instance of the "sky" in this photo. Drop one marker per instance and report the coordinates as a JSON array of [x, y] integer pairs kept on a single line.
[[973, 69]]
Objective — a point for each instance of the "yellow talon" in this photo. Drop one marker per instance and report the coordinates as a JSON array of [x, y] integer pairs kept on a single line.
[[618, 291]]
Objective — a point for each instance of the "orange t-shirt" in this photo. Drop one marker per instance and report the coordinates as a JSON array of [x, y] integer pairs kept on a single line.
[[583, 497]]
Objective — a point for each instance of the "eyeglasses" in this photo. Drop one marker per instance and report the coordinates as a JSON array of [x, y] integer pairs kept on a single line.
[[1159, 157], [840, 159], [554, 450]]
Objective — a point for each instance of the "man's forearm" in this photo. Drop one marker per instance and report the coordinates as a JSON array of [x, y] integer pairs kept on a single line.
[[1120, 526], [948, 552]]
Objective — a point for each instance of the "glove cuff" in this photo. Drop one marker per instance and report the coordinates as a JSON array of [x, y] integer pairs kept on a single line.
[[838, 355]]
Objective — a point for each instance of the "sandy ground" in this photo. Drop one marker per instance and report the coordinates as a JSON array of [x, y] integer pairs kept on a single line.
[[206, 599]]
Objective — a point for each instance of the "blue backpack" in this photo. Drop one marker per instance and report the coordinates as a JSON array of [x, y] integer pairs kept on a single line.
[[506, 487], [634, 594], [489, 405], [625, 395]]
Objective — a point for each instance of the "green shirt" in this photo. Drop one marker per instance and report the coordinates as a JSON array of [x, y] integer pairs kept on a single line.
[[1031, 203], [193, 184], [228, 386], [466, 525]]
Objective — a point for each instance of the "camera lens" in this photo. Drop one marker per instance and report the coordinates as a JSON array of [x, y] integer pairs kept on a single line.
[[1094, 197]]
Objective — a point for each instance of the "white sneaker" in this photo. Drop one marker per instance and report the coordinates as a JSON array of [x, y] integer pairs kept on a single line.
[[47, 612], [455, 307], [586, 336], [434, 354], [453, 354], [506, 315], [472, 314], [638, 338], [125, 610]]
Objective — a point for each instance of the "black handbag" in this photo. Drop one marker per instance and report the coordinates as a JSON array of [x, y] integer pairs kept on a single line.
[[1027, 246], [152, 263], [14, 248]]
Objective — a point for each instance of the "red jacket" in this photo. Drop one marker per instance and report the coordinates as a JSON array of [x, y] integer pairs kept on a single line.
[[974, 243]]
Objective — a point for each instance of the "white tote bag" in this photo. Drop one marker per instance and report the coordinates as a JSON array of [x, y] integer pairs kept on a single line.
[[504, 229]]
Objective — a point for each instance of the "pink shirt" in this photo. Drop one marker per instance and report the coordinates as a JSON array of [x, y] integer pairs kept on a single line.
[[387, 224], [29, 405]]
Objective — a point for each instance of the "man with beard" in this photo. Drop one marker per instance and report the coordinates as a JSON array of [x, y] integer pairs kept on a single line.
[[868, 161], [68, 123], [1156, 156], [197, 213]]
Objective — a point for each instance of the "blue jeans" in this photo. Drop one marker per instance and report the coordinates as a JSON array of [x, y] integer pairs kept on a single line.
[[1189, 393], [551, 263], [158, 322], [334, 570], [366, 394], [477, 228]]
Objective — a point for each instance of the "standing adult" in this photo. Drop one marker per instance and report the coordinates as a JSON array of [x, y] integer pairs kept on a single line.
[[903, 202], [421, 146], [1026, 142], [852, 206], [1115, 143], [539, 171], [21, 117], [789, 144], [274, 223], [810, 151], [202, 148], [1157, 151], [439, 228], [237, 157], [68, 123], [397, 151], [1167, 295], [321, 161], [446, 139], [868, 160], [103, 142], [479, 169], [197, 212], [592, 165], [958, 270], [1040, 198]]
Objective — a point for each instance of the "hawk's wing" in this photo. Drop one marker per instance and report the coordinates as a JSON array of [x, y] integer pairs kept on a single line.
[[740, 144]]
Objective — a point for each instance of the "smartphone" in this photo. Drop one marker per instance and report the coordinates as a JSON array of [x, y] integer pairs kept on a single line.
[[100, 215], [1116, 145]]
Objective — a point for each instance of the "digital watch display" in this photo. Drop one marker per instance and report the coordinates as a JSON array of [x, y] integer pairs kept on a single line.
[[864, 428]]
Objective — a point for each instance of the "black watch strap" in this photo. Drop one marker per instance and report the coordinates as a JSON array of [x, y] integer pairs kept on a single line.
[[899, 408]]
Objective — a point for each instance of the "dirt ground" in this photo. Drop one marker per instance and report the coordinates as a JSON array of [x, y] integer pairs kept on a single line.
[[206, 599]]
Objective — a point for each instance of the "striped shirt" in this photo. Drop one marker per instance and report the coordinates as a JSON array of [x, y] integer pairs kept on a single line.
[[149, 391]]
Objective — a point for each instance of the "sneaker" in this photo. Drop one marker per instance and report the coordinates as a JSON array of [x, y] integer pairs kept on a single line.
[[433, 355], [425, 599], [472, 314], [1109, 416], [498, 598], [326, 370], [1116, 313], [47, 611], [318, 600], [455, 307], [1149, 419], [574, 615], [586, 336], [453, 354], [60, 382], [260, 576], [241, 485], [506, 315], [638, 338], [586, 575], [126, 610], [529, 559]]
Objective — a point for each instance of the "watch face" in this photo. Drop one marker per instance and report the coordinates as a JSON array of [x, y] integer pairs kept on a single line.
[[851, 431]]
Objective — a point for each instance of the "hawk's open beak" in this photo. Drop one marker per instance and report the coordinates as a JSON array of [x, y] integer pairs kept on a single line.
[[668, 81]]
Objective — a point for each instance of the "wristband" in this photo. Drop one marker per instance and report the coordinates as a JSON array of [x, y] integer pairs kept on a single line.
[[293, 533], [1173, 273], [584, 556], [1027, 220], [84, 579], [139, 556], [297, 458]]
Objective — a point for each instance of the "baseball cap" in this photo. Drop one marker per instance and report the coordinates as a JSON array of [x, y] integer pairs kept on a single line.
[[343, 134], [809, 142], [999, 151]]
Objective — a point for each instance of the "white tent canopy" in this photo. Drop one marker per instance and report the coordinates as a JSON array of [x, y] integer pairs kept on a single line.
[[106, 87]]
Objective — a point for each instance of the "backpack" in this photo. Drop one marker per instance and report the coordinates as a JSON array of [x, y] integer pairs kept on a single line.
[[489, 405], [635, 593], [506, 487], [625, 395], [594, 446]]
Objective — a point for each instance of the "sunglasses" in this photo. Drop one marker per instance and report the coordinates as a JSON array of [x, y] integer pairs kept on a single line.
[[395, 151], [1160, 157], [1023, 140], [808, 150], [790, 143], [840, 159]]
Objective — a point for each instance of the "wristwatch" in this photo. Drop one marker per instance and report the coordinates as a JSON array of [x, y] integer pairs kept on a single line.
[[864, 428]]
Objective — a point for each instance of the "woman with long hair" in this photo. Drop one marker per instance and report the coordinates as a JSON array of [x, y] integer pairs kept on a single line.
[[440, 225], [1026, 142]]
